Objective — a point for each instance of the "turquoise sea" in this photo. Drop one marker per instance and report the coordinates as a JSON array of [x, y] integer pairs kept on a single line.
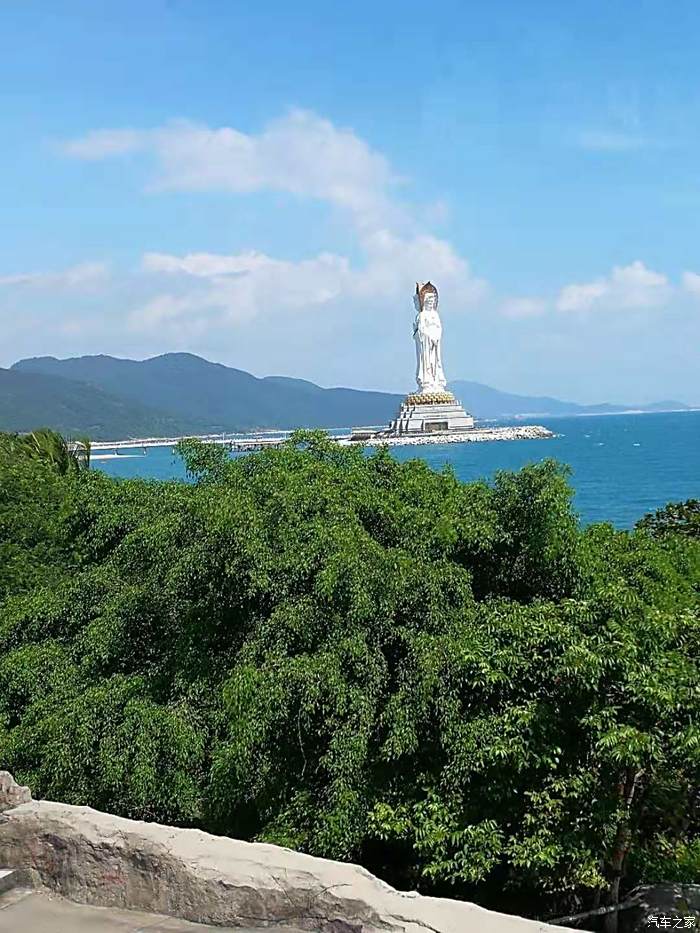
[[623, 465]]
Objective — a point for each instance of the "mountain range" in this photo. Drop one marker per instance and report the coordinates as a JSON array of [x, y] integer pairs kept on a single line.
[[179, 393]]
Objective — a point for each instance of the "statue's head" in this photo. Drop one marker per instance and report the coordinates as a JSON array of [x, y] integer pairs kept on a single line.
[[426, 297]]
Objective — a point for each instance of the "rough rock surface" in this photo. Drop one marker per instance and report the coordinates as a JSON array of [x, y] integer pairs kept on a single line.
[[95, 858], [657, 901], [11, 793]]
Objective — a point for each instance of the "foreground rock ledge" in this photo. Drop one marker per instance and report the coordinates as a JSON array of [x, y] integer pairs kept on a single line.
[[12, 794], [95, 858]]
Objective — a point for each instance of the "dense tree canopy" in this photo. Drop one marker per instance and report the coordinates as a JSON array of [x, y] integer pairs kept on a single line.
[[451, 683], [675, 518]]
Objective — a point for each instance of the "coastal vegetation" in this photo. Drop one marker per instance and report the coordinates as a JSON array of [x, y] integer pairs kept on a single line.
[[453, 684]]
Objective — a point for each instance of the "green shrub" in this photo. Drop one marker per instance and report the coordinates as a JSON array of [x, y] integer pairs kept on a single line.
[[452, 683]]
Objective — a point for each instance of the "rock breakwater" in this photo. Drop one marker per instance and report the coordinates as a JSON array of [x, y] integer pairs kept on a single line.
[[523, 432]]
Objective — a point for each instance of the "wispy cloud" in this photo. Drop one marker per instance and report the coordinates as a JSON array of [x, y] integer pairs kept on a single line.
[[230, 288], [691, 283], [85, 275], [301, 153], [625, 287], [307, 156]]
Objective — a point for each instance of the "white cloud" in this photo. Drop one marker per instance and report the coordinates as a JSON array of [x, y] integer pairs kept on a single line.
[[85, 275], [523, 307], [626, 287], [300, 153], [393, 262], [691, 283], [325, 267], [214, 287], [307, 156], [172, 312], [233, 288]]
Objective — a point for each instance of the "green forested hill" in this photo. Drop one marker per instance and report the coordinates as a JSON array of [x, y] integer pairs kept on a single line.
[[220, 397], [204, 397], [29, 400]]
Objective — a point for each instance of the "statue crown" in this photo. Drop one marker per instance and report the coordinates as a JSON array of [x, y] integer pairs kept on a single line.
[[423, 290]]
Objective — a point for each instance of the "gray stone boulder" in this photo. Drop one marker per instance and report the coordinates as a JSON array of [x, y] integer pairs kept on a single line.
[[657, 901], [95, 858], [12, 794]]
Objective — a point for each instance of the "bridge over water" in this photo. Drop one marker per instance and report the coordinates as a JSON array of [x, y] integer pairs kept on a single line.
[[234, 442]]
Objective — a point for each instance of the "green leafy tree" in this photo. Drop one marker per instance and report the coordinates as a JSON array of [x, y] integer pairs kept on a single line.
[[676, 518], [51, 448], [319, 647]]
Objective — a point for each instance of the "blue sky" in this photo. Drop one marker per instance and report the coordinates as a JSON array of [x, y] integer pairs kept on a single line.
[[263, 183]]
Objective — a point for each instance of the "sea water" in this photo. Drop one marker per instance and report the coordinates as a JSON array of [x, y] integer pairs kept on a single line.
[[623, 466]]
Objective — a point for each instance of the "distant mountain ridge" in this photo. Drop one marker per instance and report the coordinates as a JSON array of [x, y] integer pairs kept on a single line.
[[485, 402], [180, 393], [30, 400], [210, 398]]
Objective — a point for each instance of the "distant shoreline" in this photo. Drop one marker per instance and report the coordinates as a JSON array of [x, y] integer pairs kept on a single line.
[[100, 456], [131, 399], [596, 414], [277, 434], [108, 450]]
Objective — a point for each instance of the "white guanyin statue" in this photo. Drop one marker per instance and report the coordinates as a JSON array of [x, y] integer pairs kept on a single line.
[[427, 332]]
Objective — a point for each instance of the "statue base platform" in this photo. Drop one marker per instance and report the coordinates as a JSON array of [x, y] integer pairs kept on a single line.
[[430, 413]]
